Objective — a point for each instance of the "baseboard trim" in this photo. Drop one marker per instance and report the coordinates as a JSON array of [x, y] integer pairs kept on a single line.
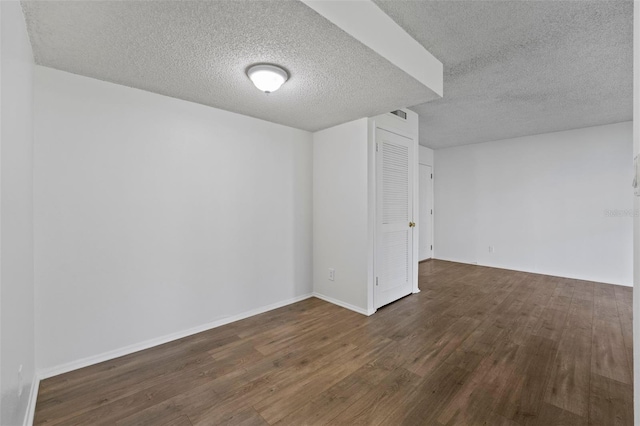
[[344, 304], [533, 272], [106, 356], [444, 259], [31, 405]]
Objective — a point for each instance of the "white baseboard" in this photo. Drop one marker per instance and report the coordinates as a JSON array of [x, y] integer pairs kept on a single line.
[[529, 271], [31, 405], [344, 304], [106, 356], [445, 259]]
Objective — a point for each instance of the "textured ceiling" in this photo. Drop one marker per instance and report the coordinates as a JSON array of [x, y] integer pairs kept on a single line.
[[199, 51], [515, 68], [512, 68]]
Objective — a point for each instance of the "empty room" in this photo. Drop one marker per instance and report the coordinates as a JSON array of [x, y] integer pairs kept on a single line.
[[297, 212]]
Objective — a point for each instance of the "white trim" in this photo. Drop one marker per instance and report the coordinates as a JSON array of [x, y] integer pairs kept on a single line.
[[344, 304], [395, 131], [530, 271], [431, 242], [636, 219], [371, 214], [415, 214], [446, 259], [31, 404], [408, 129], [106, 356]]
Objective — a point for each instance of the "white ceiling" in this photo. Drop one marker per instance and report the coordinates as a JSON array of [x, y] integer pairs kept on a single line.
[[512, 68], [199, 51], [515, 68]]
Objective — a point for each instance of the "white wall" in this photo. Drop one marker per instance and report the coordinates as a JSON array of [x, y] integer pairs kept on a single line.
[[636, 220], [16, 214], [541, 202], [344, 193], [340, 213], [156, 215]]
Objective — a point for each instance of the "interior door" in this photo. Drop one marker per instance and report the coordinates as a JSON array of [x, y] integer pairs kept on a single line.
[[394, 217], [425, 223]]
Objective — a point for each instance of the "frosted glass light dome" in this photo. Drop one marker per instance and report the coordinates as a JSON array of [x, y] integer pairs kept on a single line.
[[267, 78]]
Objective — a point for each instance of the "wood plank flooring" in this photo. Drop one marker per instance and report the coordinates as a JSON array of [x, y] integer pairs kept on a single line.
[[477, 346]]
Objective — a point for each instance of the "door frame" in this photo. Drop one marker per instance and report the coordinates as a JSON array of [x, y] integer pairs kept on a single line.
[[409, 129], [420, 163]]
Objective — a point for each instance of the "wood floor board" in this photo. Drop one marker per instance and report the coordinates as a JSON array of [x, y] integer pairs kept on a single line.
[[584, 290], [430, 397], [477, 346], [195, 400], [433, 354], [301, 337], [287, 399], [568, 386], [180, 421], [604, 299], [550, 415], [374, 406], [268, 377], [68, 386], [551, 324], [542, 353], [110, 412], [330, 403], [611, 402], [624, 302], [580, 314], [237, 392], [293, 313], [123, 389], [245, 416], [484, 387], [609, 357]]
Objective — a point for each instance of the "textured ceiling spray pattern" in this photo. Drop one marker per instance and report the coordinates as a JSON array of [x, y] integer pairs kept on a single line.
[[199, 51], [516, 68], [512, 68]]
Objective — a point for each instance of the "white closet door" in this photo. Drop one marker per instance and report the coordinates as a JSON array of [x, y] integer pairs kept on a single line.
[[394, 216]]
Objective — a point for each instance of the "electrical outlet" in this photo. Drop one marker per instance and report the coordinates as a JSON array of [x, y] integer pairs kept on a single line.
[[332, 274], [20, 381], [490, 249]]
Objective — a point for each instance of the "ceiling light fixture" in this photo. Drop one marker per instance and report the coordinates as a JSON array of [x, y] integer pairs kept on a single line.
[[266, 77]]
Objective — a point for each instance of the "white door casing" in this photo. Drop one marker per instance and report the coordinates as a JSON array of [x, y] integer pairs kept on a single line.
[[395, 157], [425, 219]]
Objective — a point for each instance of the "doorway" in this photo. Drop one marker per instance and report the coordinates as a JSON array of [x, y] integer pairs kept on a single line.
[[394, 216], [425, 218]]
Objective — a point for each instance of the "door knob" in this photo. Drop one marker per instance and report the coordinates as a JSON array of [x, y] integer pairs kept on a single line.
[[412, 224]]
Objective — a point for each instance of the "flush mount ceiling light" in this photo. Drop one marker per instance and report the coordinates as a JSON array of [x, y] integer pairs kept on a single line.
[[266, 77]]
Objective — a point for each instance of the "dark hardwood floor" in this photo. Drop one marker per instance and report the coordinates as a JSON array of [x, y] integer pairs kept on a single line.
[[478, 346]]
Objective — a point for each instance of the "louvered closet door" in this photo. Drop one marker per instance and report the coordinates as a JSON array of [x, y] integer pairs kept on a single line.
[[394, 211]]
